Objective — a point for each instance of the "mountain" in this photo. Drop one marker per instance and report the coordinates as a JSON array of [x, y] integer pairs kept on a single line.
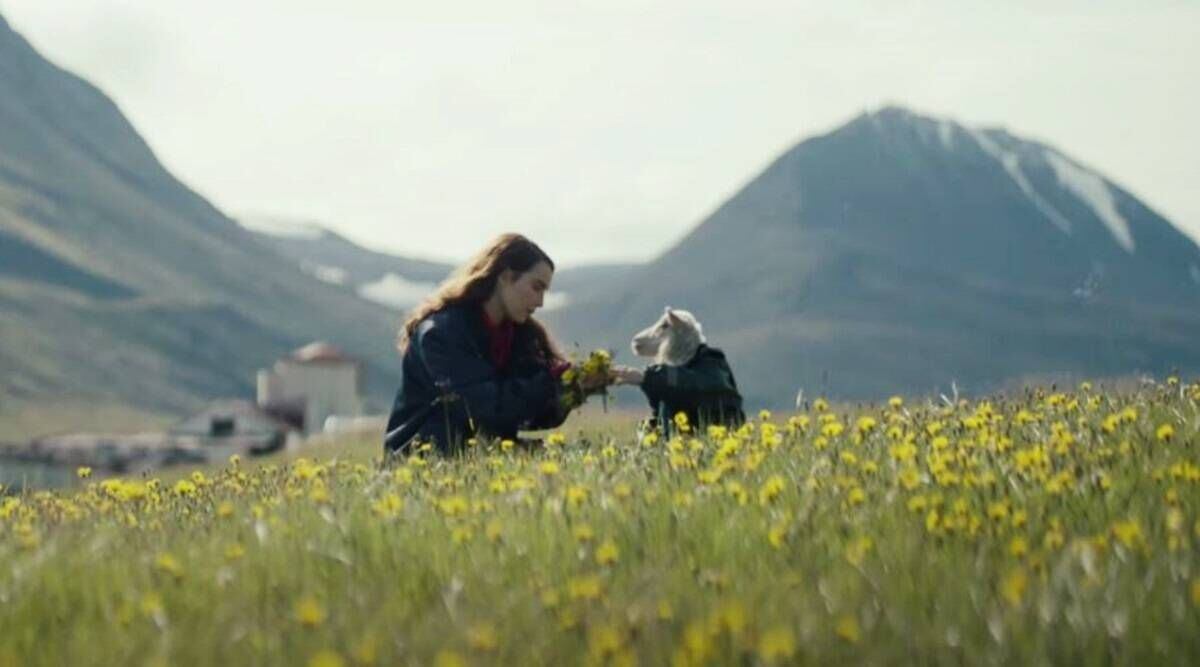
[[400, 282], [900, 253], [120, 284]]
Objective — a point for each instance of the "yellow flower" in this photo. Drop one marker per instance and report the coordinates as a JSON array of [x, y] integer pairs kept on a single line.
[[83, 472], [461, 535], [1013, 587], [847, 629], [857, 496], [584, 533], [482, 637], [1128, 532], [607, 553], [366, 651], [234, 551], [388, 506], [832, 429], [584, 588], [918, 504], [319, 494], [326, 659], [1018, 547], [548, 468], [225, 509], [151, 605], [895, 402], [1053, 539], [777, 535], [568, 619], [777, 643], [1165, 432], [603, 640], [169, 564], [448, 658], [857, 550], [577, 494], [494, 530], [453, 505], [771, 489], [309, 612], [932, 521]]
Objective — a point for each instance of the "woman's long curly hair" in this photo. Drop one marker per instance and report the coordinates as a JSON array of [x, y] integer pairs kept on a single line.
[[475, 281]]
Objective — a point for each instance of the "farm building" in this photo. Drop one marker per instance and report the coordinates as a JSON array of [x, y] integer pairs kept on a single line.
[[239, 426], [317, 380]]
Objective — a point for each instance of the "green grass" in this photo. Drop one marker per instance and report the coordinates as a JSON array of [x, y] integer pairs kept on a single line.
[[1044, 528]]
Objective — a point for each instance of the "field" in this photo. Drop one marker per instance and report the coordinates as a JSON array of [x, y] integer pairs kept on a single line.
[[1037, 527]]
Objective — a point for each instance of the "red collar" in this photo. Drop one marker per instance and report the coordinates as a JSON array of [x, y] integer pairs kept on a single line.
[[500, 339], [494, 328]]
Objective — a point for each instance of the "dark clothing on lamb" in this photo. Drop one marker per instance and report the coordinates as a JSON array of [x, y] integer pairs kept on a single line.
[[703, 389]]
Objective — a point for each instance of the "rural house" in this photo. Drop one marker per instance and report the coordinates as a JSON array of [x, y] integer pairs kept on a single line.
[[317, 381]]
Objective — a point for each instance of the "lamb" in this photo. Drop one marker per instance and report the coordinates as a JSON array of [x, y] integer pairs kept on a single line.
[[687, 375]]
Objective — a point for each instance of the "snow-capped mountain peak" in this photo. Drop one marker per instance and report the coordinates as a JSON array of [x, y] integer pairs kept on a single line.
[[1091, 189]]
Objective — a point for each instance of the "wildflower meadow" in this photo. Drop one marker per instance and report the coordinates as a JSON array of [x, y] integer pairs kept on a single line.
[[1037, 527]]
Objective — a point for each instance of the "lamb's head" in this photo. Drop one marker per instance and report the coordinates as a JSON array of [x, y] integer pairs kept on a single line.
[[672, 339]]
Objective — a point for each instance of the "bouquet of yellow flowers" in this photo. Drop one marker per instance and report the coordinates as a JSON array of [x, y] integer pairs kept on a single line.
[[594, 373]]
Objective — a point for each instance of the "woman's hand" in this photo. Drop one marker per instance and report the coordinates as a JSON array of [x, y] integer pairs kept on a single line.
[[588, 383], [626, 375]]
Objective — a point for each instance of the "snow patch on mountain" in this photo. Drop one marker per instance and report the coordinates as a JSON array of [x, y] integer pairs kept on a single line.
[[1093, 191], [282, 227], [555, 300], [330, 274], [396, 291], [1012, 164], [946, 134]]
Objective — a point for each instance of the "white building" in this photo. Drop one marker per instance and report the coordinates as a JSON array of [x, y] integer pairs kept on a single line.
[[318, 379]]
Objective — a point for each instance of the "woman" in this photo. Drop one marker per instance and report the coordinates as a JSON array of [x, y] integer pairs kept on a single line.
[[475, 361]]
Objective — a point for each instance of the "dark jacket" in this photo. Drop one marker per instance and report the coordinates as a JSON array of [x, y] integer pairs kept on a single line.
[[450, 390], [703, 389]]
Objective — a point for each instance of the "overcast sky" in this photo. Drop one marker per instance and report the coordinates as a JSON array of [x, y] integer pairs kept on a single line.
[[607, 130]]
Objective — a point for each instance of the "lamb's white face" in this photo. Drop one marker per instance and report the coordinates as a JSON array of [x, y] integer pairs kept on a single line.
[[648, 341], [676, 329]]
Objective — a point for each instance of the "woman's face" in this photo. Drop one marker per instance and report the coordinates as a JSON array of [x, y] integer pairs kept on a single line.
[[522, 293]]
